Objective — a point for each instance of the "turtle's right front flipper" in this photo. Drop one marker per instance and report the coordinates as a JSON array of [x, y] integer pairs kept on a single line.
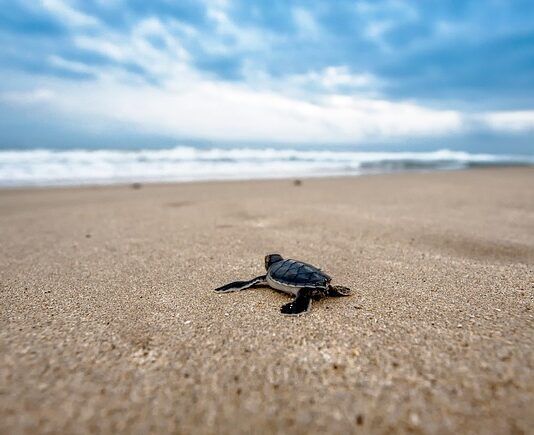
[[242, 285], [301, 304]]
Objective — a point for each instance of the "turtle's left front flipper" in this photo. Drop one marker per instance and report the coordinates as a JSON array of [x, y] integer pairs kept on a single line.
[[339, 290], [242, 285]]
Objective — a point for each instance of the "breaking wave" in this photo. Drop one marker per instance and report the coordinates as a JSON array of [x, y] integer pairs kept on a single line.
[[42, 167]]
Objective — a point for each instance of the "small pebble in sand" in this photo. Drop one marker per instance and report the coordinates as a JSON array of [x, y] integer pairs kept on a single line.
[[297, 182], [136, 186]]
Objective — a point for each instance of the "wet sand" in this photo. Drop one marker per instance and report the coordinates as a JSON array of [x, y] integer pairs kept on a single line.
[[108, 323]]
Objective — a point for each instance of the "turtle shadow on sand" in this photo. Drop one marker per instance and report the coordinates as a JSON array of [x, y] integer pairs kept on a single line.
[[296, 278]]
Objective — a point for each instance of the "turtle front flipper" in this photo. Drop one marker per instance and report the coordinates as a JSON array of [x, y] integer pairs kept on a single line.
[[242, 285], [301, 304], [339, 290]]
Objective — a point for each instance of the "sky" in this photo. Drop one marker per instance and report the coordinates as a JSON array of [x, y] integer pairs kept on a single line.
[[419, 74]]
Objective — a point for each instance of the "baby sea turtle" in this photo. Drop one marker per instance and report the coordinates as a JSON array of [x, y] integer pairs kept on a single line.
[[302, 280]]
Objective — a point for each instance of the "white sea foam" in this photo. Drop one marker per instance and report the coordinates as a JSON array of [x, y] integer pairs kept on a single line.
[[52, 167]]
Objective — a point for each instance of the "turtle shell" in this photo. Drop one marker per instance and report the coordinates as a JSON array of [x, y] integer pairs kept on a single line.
[[298, 274]]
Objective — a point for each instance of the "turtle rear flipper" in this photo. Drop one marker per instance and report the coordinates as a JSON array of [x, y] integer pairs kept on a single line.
[[242, 285], [339, 290], [301, 304]]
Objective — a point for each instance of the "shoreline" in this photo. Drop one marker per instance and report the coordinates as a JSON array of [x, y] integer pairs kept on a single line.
[[303, 177], [109, 323]]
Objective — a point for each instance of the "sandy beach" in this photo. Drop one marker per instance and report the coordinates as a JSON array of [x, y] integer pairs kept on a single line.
[[109, 323]]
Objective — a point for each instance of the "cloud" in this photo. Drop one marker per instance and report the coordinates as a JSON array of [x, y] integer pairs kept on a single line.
[[306, 24], [63, 11], [336, 77], [202, 108], [33, 96], [69, 65], [512, 121], [239, 38], [102, 46]]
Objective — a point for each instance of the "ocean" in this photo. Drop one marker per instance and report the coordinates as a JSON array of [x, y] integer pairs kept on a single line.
[[47, 167]]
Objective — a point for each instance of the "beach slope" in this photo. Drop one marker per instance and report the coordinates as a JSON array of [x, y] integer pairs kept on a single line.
[[109, 324]]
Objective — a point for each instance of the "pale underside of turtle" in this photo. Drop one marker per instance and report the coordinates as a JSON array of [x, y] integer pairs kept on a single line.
[[301, 280]]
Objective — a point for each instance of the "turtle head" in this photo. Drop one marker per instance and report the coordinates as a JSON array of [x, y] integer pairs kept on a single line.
[[271, 259]]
